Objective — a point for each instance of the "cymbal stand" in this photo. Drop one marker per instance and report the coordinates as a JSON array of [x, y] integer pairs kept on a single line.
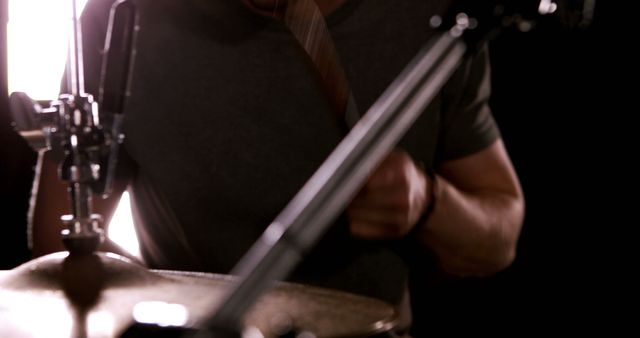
[[71, 127]]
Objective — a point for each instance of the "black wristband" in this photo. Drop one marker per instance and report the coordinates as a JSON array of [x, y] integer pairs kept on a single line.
[[431, 187]]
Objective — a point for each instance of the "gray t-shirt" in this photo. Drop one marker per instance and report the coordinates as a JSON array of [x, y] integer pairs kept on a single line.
[[226, 123]]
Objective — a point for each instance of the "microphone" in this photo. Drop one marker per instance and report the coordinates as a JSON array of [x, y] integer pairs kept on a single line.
[[115, 84], [570, 13], [117, 65], [565, 13], [483, 20]]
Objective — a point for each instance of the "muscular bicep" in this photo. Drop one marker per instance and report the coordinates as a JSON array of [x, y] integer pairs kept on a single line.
[[487, 170], [478, 213]]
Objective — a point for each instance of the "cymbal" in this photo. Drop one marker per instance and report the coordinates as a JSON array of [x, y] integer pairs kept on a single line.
[[99, 295]]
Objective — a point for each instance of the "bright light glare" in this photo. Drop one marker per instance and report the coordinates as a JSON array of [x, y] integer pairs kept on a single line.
[[24, 309], [160, 313], [121, 229], [100, 323], [38, 33]]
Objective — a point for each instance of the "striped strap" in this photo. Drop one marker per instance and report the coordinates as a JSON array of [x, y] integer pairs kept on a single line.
[[306, 22]]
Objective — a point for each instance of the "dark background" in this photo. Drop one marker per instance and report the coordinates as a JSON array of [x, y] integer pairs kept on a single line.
[[554, 106], [558, 111]]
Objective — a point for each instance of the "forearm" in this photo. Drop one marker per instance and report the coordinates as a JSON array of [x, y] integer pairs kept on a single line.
[[473, 232]]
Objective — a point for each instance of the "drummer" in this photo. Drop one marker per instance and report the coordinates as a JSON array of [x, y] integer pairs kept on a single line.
[[226, 122]]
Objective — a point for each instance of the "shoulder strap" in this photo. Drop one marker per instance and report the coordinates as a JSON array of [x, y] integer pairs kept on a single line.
[[307, 24]]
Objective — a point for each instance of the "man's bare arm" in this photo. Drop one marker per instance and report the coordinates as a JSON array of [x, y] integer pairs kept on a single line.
[[477, 209], [478, 213]]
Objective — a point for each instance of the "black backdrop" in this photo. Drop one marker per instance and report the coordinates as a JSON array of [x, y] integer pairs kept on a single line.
[[554, 104]]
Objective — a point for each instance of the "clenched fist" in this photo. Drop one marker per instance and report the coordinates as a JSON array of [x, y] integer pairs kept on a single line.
[[392, 200]]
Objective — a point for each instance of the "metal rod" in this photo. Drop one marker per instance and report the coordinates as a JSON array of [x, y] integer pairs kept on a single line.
[[81, 117], [76, 66], [4, 70]]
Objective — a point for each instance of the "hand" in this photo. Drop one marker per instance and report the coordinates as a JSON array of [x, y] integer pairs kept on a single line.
[[392, 201]]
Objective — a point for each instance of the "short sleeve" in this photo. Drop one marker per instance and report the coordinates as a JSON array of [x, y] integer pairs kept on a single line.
[[467, 125]]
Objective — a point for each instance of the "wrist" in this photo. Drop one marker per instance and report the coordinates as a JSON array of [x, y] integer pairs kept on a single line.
[[431, 182]]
